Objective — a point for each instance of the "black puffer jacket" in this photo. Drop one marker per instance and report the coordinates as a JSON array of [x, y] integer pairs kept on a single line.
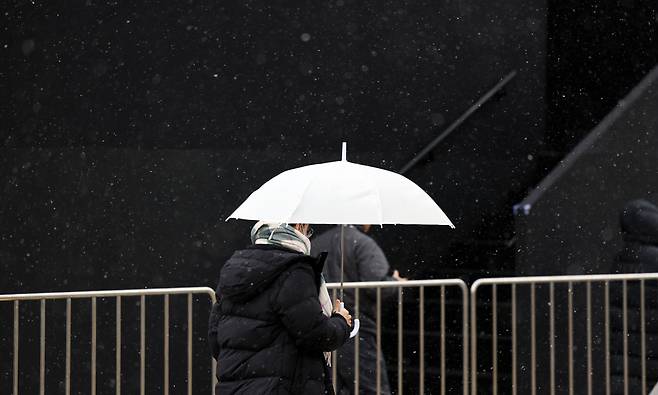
[[267, 330], [639, 223]]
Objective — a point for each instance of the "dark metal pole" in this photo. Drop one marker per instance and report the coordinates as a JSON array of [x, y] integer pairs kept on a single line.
[[459, 121]]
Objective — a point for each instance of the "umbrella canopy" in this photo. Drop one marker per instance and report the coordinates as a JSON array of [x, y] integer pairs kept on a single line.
[[341, 192]]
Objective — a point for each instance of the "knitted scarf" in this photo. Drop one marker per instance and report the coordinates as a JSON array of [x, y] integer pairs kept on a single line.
[[286, 236]]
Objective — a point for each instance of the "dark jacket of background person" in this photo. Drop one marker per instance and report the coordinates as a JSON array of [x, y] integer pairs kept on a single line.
[[639, 223], [267, 330], [364, 261]]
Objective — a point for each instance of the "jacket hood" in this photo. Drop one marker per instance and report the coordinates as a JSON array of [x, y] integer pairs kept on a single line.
[[639, 222], [250, 271]]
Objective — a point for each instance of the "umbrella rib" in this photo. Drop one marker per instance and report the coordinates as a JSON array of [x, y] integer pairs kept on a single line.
[[301, 199], [381, 210]]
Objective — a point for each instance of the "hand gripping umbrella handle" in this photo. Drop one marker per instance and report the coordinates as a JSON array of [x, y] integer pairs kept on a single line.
[[355, 323]]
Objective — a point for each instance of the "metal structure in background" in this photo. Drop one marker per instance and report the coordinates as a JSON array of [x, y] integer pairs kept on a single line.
[[16, 299], [455, 124], [603, 280], [421, 285]]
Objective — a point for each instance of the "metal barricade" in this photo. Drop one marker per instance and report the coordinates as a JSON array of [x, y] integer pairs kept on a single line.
[[93, 296], [358, 288], [589, 332]]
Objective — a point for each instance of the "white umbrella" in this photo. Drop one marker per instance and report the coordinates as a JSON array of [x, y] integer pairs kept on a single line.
[[341, 192]]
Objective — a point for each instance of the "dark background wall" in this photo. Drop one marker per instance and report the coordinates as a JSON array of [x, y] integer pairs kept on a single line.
[[597, 51], [130, 132]]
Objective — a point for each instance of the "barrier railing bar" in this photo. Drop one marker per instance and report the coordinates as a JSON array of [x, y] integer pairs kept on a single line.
[[494, 340], [166, 344], [563, 279], [106, 293], [551, 313], [590, 372], [93, 345], [398, 284], [189, 344], [67, 368], [42, 349]]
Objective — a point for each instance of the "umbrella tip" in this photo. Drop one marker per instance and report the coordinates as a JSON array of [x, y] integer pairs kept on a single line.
[[344, 157]]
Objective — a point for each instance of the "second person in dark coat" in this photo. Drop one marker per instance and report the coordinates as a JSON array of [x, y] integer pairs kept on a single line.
[[364, 260]]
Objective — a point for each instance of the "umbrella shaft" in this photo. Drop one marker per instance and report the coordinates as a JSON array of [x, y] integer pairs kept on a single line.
[[342, 260]]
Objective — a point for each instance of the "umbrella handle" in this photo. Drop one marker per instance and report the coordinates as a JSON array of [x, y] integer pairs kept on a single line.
[[356, 327], [355, 323]]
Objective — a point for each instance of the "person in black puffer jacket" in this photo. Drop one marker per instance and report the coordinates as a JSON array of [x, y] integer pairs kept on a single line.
[[272, 326], [639, 254]]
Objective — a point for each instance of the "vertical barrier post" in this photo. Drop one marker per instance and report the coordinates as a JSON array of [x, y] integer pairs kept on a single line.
[[166, 345], [443, 340], [42, 349], [625, 325], [117, 355], [93, 346], [570, 324], [513, 339], [16, 338], [142, 344], [67, 367], [356, 344], [421, 340], [474, 340], [643, 340], [494, 339], [379, 340], [606, 308], [589, 339], [551, 313], [334, 354], [400, 329], [189, 344]]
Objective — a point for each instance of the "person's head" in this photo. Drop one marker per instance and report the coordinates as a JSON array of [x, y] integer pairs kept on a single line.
[[366, 228], [304, 229], [639, 221], [266, 229]]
